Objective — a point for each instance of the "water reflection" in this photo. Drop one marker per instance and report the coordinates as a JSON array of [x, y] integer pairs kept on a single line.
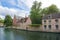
[[9, 35], [24, 35], [2, 34]]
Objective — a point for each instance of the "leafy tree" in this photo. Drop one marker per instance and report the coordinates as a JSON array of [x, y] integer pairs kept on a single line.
[[8, 21], [44, 11], [51, 9], [35, 13]]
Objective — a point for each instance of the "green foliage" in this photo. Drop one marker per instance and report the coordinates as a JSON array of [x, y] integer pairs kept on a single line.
[[8, 21], [51, 9], [44, 11], [35, 14], [34, 25], [1, 20]]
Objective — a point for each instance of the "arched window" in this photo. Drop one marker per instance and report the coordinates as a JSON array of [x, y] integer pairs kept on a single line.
[[57, 27], [45, 26], [49, 26]]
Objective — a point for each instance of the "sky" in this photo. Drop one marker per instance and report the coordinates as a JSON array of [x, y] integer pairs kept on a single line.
[[22, 7]]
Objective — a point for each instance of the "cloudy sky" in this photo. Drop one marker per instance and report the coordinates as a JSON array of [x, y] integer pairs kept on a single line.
[[22, 7]]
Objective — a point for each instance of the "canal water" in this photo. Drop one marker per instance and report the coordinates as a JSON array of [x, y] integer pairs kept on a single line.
[[12, 34]]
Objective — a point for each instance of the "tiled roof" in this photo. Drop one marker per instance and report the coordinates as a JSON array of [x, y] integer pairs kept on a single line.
[[51, 16]]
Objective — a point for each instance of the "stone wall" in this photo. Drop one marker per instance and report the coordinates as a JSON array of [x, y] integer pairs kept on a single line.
[[52, 23]]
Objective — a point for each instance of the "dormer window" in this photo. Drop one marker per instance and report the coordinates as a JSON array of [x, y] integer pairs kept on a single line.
[[48, 16]]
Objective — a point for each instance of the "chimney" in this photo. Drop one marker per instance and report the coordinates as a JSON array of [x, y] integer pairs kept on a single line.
[[14, 20]]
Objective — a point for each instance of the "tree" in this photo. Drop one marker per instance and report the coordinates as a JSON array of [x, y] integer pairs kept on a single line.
[[51, 9], [44, 11], [35, 14], [8, 21]]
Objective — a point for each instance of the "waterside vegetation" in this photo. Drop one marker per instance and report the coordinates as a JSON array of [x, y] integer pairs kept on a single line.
[[8, 21], [37, 12]]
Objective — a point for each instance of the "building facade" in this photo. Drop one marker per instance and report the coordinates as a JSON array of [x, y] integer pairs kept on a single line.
[[19, 21], [51, 23]]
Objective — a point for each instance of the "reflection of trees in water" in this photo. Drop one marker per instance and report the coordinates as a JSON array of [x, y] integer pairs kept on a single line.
[[1, 33], [58, 37], [25, 35], [32, 36], [50, 36], [9, 35], [43, 36]]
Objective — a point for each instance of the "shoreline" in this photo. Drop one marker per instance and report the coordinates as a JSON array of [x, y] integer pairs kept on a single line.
[[28, 30], [32, 30]]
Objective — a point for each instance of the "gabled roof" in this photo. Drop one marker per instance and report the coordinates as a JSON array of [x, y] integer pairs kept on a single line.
[[51, 16]]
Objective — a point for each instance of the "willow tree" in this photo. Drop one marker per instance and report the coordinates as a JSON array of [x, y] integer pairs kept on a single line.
[[35, 14]]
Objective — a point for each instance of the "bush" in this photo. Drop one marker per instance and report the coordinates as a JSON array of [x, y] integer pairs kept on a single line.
[[8, 21], [34, 25]]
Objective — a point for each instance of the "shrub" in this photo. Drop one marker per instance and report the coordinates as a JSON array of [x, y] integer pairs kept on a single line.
[[34, 25]]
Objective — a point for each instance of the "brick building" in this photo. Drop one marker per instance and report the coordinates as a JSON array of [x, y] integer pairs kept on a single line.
[[18, 21]]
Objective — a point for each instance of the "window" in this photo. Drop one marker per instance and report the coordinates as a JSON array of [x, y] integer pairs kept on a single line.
[[56, 20], [49, 26], [49, 20], [44, 26], [57, 27], [49, 16], [44, 20]]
